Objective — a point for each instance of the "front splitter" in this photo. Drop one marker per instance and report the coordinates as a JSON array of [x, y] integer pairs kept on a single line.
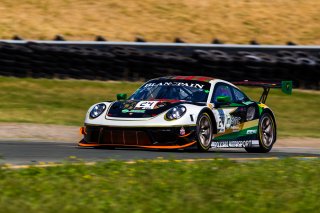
[[83, 144]]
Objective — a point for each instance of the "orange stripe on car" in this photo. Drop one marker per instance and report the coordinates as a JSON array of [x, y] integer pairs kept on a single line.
[[149, 147], [170, 147]]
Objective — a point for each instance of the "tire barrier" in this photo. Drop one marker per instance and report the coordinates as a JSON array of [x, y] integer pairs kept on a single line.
[[121, 62]]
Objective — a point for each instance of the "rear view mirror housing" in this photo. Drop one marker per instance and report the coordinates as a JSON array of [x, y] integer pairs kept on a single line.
[[223, 99], [121, 96]]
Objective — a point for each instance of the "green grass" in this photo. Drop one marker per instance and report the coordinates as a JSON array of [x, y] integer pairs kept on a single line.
[[214, 186], [66, 102], [54, 101]]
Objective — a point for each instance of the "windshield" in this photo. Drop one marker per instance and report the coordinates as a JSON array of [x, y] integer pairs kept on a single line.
[[195, 91]]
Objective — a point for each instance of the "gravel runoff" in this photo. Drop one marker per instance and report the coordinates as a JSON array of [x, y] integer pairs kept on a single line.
[[39, 132], [71, 134]]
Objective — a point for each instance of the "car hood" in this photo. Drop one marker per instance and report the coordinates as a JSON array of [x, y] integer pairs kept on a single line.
[[140, 109]]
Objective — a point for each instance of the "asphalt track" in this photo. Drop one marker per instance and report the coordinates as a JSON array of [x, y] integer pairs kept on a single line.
[[26, 153]]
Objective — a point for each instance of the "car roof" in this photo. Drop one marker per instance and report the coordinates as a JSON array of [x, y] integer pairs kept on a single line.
[[190, 78]]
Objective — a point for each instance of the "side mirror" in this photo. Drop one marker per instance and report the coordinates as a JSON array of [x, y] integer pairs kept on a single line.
[[223, 99], [121, 96]]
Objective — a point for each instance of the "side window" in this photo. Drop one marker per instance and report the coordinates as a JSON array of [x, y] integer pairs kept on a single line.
[[221, 90], [239, 96]]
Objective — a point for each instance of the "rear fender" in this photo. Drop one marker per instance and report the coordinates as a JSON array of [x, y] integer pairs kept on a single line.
[[268, 110]]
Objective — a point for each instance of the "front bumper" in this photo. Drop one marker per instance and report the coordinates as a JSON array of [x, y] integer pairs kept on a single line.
[[143, 137]]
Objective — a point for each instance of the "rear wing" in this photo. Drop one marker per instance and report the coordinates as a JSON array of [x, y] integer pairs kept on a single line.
[[286, 87]]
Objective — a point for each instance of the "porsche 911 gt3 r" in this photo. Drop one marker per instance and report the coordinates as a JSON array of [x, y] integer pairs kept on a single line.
[[182, 111]]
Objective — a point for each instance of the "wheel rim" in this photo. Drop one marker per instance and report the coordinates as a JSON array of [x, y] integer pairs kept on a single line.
[[267, 131], [205, 131]]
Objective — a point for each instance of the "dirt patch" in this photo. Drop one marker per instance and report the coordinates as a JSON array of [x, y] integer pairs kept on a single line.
[[45, 132], [39, 132], [298, 142]]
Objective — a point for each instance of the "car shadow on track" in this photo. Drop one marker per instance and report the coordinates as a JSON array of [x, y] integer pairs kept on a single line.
[[187, 150], [193, 152]]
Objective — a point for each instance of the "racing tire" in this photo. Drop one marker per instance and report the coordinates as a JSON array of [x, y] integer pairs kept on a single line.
[[266, 134], [204, 132]]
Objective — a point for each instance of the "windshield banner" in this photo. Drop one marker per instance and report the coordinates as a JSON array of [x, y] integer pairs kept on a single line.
[[199, 85]]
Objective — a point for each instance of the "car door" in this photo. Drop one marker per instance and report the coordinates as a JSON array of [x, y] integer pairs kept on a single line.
[[229, 109], [242, 102]]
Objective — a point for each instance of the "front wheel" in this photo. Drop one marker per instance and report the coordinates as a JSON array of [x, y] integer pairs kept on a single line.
[[204, 132], [267, 135]]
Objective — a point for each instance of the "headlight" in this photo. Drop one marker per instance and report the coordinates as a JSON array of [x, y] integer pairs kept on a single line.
[[97, 110], [176, 112]]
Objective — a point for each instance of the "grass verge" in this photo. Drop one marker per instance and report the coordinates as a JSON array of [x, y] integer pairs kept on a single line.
[[54, 101], [151, 186], [66, 102]]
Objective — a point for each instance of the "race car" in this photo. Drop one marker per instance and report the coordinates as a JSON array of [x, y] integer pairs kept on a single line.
[[176, 112]]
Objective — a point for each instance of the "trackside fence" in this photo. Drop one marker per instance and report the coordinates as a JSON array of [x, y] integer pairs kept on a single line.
[[144, 60]]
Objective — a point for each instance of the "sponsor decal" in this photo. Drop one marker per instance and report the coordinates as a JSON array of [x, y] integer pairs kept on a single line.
[[221, 115], [146, 104], [227, 121], [251, 131], [182, 131], [235, 144], [174, 83], [221, 126], [235, 121], [129, 105], [133, 111], [160, 104]]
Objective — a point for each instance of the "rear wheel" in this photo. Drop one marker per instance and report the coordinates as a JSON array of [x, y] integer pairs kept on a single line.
[[204, 132], [267, 134]]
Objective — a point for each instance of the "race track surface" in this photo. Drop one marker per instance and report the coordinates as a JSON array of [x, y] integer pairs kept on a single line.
[[25, 153]]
